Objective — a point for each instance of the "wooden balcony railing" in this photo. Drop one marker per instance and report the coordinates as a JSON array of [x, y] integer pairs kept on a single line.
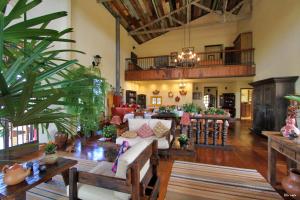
[[243, 57]]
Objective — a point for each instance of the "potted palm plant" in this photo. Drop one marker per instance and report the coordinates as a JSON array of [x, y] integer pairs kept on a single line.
[[35, 81]]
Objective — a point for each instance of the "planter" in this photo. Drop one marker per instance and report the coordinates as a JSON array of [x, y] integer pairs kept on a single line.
[[50, 159], [183, 143], [14, 174], [60, 139], [291, 183], [298, 118]]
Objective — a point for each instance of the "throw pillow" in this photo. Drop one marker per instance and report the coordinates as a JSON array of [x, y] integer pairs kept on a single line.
[[144, 131], [124, 147], [160, 130], [129, 134]]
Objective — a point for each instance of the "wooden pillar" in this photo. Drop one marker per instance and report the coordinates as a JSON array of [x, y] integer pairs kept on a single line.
[[224, 133], [118, 84], [215, 133], [206, 132], [198, 131]]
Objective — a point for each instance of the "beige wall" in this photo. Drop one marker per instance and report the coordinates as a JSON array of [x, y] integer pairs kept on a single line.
[[200, 36], [276, 38], [94, 32]]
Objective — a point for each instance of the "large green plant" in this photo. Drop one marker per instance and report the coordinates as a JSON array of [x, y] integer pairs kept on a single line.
[[89, 107], [33, 76]]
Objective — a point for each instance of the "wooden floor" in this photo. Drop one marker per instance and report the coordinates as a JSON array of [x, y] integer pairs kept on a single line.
[[246, 150]]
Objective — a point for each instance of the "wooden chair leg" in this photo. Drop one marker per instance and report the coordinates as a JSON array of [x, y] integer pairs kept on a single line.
[[73, 179]]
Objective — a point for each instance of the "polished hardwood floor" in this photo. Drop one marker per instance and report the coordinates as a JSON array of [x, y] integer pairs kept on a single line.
[[246, 150]]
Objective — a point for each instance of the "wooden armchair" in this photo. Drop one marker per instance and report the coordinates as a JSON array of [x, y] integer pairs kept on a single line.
[[135, 180]]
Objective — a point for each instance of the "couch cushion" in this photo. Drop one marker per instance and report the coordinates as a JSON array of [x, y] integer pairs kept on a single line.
[[145, 131], [162, 142], [135, 124], [166, 123], [89, 192], [131, 141], [129, 134], [129, 156], [160, 130], [123, 148]]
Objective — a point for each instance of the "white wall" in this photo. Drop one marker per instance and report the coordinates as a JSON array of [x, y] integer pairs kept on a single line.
[[94, 32], [200, 36], [276, 38]]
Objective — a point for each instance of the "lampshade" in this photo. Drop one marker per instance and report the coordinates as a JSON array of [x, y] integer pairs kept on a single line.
[[185, 119], [116, 120]]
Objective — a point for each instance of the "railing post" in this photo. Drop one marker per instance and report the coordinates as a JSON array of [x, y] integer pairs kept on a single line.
[[197, 131], [206, 132], [224, 133], [215, 133]]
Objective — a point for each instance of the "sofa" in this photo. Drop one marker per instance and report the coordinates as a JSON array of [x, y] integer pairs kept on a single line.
[[164, 143], [136, 168]]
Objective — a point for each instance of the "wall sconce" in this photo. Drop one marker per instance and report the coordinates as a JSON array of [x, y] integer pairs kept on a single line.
[[97, 60], [182, 85]]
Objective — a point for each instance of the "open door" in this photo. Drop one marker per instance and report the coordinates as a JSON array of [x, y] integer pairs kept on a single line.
[[246, 104]]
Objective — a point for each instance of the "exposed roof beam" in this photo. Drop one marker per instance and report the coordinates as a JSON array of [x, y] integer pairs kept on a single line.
[[164, 17], [176, 20], [237, 6], [188, 12], [206, 8], [162, 30], [225, 3]]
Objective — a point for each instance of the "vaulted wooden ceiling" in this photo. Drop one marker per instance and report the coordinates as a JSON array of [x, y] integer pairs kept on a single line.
[[156, 17]]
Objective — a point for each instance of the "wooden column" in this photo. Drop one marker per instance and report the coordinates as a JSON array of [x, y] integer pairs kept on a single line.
[[118, 84], [215, 133], [206, 132], [224, 133], [198, 131], [272, 157]]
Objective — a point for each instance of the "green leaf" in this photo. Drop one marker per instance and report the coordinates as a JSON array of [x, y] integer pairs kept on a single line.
[[1, 40], [36, 21], [19, 9], [28, 34], [3, 4]]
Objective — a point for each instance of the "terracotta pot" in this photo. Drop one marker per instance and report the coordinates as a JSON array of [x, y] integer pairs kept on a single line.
[[50, 159], [14, 174], [60, 139], [291, 183]]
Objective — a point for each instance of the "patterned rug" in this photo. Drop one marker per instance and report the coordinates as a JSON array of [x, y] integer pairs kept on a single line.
[[191, 181], [55, 189]]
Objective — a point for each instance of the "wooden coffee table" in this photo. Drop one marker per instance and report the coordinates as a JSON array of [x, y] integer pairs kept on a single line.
[[188, 150], [19, 191]]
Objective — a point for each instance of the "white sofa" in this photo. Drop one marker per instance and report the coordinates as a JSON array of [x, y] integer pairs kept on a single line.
[[89, 192], [164, 143]]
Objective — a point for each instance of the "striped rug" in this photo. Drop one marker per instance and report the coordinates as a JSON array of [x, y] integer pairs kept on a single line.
[[191, 181], [55, 189]]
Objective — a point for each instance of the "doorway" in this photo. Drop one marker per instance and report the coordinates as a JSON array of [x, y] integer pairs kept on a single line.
[[246, 104], [210, 98]]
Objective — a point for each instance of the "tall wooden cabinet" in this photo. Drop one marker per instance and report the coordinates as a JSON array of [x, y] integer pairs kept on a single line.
[[269, 104]]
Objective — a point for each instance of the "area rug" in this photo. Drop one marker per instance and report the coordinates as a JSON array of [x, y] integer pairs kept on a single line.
[[191, 181], [55, 189]]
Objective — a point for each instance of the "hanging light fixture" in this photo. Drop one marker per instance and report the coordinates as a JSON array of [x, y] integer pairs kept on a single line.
[[187, 57]]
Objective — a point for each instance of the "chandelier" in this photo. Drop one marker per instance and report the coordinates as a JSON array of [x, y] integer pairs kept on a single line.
[[187, 57]]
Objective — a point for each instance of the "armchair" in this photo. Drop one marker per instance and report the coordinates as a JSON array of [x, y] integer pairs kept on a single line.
[[136, 177]]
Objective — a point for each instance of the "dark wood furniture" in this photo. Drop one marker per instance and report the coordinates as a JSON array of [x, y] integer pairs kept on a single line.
[[228, 102], [141, 100], [19, 191], [130, 97], [132, 184], [279, 144], [188, 150], [269, 104]]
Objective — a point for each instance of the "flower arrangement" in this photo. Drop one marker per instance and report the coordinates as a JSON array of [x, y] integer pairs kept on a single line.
[[109, 131]]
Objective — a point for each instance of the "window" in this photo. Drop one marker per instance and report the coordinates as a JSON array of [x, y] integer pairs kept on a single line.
[[156, 101], [206, 100]]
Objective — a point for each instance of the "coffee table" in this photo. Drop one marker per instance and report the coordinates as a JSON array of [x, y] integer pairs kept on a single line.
[[188, 150], [19, 191]]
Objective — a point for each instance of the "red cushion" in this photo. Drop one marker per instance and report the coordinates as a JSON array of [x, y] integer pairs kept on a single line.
[[144, 131]]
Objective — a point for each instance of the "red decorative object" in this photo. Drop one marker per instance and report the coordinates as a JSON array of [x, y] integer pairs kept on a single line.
[[183, 92], [116, 120], [155, 92], [185, 119], [177, 99]]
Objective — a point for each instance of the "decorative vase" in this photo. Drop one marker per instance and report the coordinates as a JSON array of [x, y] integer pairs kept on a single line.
[[14, 174], [291, 183], [50, 159], [60, 139], [298, 118], [182, 143]]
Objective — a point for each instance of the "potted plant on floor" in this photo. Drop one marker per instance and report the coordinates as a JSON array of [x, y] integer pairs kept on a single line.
[[110, 133], [51, 156], [183, 140]]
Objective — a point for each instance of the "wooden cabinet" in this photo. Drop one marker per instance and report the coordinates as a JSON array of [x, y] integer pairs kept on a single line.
[[227, 101], [141, 100], [269, 104], [130, 97]]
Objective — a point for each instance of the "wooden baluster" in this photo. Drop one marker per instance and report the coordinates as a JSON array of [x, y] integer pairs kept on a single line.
[[197, 132], [190, 130], [215, 133], [224, 133], [181, 127], [206, 132]]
